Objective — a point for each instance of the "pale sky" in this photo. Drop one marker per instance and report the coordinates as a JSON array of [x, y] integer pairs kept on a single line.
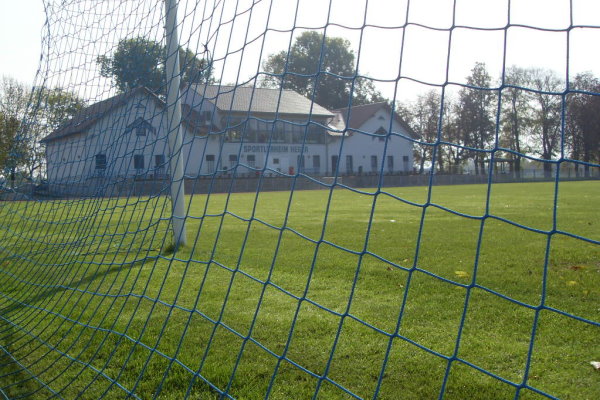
[[237, 31]]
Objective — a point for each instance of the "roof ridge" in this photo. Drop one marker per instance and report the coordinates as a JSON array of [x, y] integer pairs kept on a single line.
[[380, 103], [247, 87]]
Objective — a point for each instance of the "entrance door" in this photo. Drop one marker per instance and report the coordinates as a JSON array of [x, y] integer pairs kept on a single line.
[[334, 164]]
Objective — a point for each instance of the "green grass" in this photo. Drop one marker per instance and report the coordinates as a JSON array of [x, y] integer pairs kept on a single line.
[[92, 293]]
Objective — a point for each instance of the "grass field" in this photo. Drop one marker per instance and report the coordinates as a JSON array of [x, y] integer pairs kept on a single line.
[[335, 294]]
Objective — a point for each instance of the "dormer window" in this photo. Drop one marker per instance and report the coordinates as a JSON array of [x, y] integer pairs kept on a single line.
[[381, 133], [140, 127], [206, 117]]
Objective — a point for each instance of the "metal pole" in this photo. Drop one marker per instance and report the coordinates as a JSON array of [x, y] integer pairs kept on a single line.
[[174, 125]]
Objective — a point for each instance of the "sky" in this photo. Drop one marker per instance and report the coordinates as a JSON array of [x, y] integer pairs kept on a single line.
[[241, 33], [21, 25]]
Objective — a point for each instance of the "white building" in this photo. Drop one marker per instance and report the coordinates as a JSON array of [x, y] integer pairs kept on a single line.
[[227, 130]]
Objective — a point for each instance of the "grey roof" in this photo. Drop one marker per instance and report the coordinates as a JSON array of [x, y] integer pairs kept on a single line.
[[259, 100], [89, 116], [354, 117]]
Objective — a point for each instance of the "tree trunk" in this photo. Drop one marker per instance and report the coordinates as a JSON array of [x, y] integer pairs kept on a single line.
[[422, 163], [547, 168], [586, 167]]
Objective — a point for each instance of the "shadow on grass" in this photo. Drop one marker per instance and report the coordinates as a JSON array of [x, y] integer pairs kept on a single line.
[[50, 292], [16, 380]]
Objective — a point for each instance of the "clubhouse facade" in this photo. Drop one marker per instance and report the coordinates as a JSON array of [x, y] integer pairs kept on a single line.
[[227, 130]]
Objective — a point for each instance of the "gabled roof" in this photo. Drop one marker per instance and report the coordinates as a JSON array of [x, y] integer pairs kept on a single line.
[[355, 117], [89, 116], [259, 100]]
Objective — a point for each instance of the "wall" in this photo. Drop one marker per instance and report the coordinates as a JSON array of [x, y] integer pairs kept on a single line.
[[73, 159], [101, 187], [363, 146]]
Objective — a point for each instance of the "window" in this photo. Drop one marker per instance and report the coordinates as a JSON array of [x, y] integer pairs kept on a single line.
[[206, 117], [100, 161], [140, 126], [233, 135], [373, 163], [381, 134], [316, 162], [300, 163], [159, 163], [279, 134], [334, 164], [316, 134], [405, 162], [233, 160], [210, 163], [349, 166], [390, 163], [298, 133], [251, 158], [138, 161], [276, 161]]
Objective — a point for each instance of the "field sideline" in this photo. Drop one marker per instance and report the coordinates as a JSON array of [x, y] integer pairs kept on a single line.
[[340, 294]]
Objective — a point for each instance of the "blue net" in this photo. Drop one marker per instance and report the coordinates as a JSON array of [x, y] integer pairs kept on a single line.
[[308, 199]]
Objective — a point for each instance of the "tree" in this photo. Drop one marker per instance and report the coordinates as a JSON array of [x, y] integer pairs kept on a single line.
[[423, 115], [194, 69], [323, 67], [583, 120], [14, 98], [456, 153], [546, 114], [366, 93], [8, 131], [135, 62], [141, 62], [516, 109], [475, 111], [27, 117]]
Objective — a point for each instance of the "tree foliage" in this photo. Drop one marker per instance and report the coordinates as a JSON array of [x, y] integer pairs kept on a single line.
[[583, 119], [141, 62], [8, 131], [26, 117], [546, 114], [475, 113], [533, 113], [320, 68], [516, 111], [423, 116]]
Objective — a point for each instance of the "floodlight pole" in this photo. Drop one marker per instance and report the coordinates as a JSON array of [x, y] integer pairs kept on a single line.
[[174, 125]]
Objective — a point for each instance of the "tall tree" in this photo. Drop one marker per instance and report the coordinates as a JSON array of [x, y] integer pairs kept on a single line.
[[194, 69], [141, 62], [30, 115], [14, 98], [320, 66], [583, 120], [423, 115], [455, 154], [546, 114], [8, 131], [516, 109], [475, 111]]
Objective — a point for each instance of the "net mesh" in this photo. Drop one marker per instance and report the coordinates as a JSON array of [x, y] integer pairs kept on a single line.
[[332, 247]]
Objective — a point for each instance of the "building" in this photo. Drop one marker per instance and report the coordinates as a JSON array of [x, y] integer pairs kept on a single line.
[[367, 136], [118, 138], [227, 130]]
